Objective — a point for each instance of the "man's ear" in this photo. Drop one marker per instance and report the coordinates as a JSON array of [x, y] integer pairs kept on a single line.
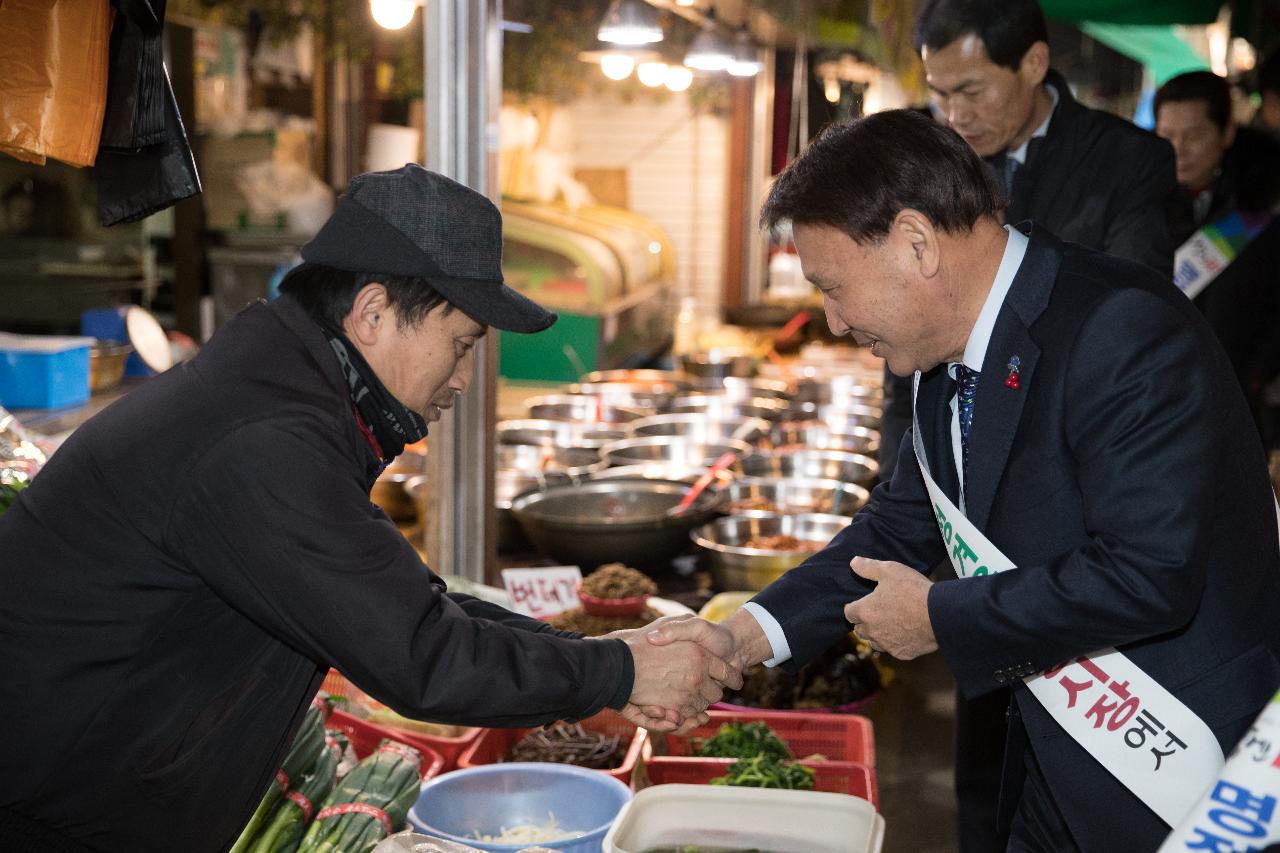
[[915, 231], [1034, 64], [370, 315]]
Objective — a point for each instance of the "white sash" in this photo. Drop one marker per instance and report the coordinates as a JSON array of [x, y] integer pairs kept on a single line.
[[1156, 746], [1240, 811]]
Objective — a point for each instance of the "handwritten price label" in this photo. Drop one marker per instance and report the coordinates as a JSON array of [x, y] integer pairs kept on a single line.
[[542, 592]]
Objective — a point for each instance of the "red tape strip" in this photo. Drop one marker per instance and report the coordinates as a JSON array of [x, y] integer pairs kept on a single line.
[[403, 750], [357, 808], [282, 779], [301, 802]]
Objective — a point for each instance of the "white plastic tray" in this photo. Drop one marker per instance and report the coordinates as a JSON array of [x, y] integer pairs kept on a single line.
[[723, 817]]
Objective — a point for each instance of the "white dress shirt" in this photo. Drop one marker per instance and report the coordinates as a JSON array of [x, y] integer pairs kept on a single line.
[[975, 353]]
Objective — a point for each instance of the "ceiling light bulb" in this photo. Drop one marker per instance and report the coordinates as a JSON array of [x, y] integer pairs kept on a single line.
[[616, 66], [630, 22], [652, 73], [678, 78], [392, 14]]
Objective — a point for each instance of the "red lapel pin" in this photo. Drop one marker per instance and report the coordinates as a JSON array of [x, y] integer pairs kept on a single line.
[[1012, 381]]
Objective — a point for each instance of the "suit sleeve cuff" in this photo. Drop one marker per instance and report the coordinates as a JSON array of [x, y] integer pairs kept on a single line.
[[773, 632], [627, 678]]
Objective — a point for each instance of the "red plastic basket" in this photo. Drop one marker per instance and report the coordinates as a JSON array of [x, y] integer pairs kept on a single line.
[[836, 737], [493, 744], [365, 738], [449, 747], [840, 777]]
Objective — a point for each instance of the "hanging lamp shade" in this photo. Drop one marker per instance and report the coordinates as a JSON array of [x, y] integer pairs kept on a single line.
[[709, 51], [630, 22]]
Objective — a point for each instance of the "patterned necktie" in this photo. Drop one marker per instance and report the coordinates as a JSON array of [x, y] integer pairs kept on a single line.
[[966, 391]]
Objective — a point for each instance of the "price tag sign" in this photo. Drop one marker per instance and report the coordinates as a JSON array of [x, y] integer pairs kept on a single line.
[[542, 592]]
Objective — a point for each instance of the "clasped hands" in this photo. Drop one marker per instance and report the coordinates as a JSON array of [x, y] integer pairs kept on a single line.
[[682, 665]]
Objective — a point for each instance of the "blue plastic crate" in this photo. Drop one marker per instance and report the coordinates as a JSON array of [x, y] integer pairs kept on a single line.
[[43, 371]]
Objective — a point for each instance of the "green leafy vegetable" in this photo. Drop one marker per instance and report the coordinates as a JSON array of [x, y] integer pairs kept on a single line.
[[764, 772], [742, 740]]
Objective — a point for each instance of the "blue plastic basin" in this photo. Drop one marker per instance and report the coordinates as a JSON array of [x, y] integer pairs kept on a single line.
[[456, 805]]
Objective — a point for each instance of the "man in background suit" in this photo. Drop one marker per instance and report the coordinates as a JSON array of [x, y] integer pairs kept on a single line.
[[1087, 176], [1081, 414]]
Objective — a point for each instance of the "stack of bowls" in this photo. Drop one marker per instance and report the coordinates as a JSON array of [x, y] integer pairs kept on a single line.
[[556, 433], [696, 427], [635, 451], [816, 435], [649, 396], [738, 388], [718, 407], [819, 464], [582, 408], [718, 364]]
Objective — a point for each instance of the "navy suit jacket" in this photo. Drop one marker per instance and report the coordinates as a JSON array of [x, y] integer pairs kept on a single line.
[[1125, 480]]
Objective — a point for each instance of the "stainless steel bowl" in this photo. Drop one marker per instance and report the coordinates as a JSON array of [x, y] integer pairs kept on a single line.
[[813, 464], [837, 391], [839, 418], [535, 459], [718, 364], [816, 435], [678, 471], [738, 388], [641, 378], [633, 451], [607, 521], [719, 408], [582, 408], [736, 566], [697, 427], [792, 495], [390, 490], [647, 396], [555, 433]]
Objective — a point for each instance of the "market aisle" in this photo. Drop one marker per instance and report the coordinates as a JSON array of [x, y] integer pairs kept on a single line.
[[913, 720]]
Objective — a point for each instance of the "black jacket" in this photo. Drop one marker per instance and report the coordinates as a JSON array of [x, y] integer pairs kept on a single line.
[[180, 576], [1093, 179], [1243, 303]]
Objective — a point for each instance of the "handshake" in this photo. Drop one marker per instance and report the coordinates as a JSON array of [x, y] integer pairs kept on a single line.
[[683, 664]]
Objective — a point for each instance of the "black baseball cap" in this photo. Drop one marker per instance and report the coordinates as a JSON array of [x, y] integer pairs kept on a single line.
[[414, 222]]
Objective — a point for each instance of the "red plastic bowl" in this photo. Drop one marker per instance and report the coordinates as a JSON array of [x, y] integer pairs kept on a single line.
[[612, 606]]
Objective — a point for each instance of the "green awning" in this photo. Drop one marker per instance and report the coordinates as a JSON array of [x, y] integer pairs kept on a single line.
[[1130, 12], [1155, 46]]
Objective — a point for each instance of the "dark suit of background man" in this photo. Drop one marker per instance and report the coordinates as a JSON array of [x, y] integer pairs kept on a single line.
[[1118, 469], [1088, 176]]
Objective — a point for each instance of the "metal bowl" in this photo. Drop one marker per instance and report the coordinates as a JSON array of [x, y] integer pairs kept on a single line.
[[838, 391], [813, 464], [718, 364], [640, 378], [534, 459], [736, 566], [606, 521], [555, 433], [839, 418], [696, 427], [633, 451], [816, 435], [648, 396], [792, 495], [717, 407], [582, 408], [738, 388], [390, 491], [678, 471]]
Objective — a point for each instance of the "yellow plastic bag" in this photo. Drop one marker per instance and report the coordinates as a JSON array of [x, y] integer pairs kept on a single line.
[[53, 78]]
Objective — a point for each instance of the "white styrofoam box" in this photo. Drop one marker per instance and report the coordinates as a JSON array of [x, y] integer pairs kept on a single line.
[[726, 817]]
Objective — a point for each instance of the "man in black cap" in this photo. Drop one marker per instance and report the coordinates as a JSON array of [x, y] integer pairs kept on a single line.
[[182, 574]]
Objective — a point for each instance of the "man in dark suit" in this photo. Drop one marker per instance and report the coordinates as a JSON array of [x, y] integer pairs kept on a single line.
[[1082, 416], [1085, 175]]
